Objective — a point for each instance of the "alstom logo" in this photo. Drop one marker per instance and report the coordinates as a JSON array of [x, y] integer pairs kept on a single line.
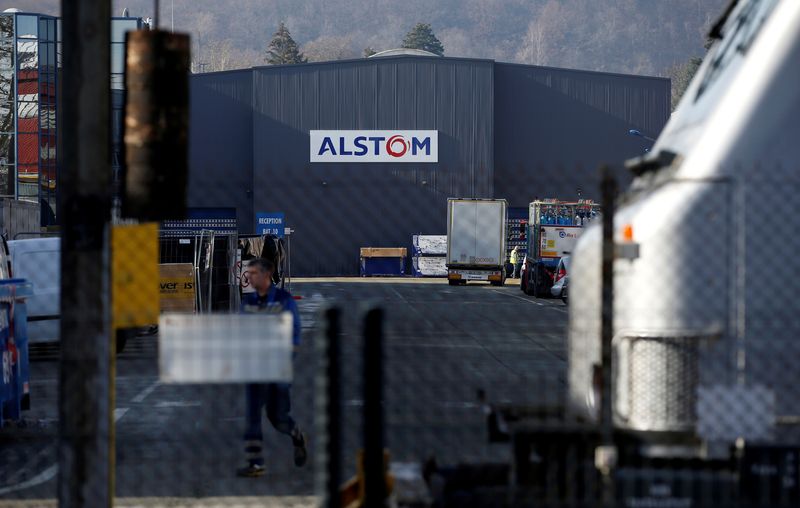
[[374, 146]]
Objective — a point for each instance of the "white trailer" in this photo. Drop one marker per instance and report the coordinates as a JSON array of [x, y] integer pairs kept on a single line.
[[476, 240]]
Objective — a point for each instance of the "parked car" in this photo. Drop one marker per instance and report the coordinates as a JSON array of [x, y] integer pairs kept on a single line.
[[560, 278], [38, 260]]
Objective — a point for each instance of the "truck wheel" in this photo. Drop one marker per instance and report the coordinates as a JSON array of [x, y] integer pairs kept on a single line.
[[537, 285], [453, 282]]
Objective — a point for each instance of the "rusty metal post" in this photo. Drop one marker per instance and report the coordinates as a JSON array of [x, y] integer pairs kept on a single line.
[[156, 125], [85, 440]]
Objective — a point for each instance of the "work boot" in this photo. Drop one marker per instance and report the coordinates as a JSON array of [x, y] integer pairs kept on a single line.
[[300, 452], [251, 471]]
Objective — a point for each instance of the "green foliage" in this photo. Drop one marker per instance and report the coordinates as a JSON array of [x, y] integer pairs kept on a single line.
[[282, 49], [422, 37]]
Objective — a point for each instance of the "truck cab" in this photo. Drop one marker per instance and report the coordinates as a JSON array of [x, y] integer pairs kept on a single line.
[[555, 226]]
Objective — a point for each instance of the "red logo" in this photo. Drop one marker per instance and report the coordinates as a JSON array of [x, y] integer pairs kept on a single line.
[[395, 140]]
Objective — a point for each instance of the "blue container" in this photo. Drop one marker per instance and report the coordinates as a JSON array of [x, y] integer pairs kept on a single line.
[[383, 266], [15, 372], [383, 261]]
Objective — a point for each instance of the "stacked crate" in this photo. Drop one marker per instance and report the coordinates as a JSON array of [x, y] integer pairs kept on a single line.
[[429, 255], [383, 261], [517, 232]]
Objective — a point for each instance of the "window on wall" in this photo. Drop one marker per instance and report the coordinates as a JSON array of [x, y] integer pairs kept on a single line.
[[27, 108], [58, 43], [27, 27], [7, 113], [119, 27], [6, 100], [47, 119]]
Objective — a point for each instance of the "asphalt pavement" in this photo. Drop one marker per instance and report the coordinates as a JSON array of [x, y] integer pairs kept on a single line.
[[443, 344]]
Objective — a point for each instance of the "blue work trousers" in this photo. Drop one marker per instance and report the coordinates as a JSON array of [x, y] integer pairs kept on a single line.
[[276, 398]]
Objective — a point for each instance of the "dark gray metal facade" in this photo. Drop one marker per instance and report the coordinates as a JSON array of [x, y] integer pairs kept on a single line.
[[504, 130], [556, 127], [338, 208], [221, 142]]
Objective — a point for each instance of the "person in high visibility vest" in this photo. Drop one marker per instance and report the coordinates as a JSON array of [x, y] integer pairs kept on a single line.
[[516, 261]]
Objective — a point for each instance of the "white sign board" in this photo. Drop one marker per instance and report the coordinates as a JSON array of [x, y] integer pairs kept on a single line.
[[225, 348], [557, 241], [244, 275], [374, 146]]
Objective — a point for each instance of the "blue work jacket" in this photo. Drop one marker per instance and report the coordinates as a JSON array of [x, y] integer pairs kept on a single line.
[[276, 300]]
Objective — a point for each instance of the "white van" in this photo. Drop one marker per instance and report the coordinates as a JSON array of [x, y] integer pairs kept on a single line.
[[39, 261], [702, 343]]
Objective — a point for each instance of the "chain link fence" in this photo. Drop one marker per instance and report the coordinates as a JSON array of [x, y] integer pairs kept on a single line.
[[480, 394]]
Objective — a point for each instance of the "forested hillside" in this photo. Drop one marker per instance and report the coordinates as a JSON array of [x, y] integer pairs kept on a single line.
[[629, 36]]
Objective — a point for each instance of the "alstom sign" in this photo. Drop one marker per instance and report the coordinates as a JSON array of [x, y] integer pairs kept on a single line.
[[374, 146]]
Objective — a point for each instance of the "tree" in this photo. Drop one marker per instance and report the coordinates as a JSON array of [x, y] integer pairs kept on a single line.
[[422, 37], [329, 47], [282, 49], [219, 55], [681, 75]]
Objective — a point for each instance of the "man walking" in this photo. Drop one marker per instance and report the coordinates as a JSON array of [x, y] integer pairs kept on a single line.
[[275, 396]]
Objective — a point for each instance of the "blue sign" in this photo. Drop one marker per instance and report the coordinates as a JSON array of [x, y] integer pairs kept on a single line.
[[270, 223]]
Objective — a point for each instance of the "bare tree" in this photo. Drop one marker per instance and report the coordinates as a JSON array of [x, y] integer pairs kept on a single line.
[[201, 25], [219, 55], [329, 47], [533, 49], [543, 40]]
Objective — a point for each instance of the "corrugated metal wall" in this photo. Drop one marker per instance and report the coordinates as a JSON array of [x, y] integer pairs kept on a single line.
[[338, 208], [221, 142], [556, 127], [508, 131]]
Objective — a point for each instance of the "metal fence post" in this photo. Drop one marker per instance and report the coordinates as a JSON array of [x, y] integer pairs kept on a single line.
[[85, 447], [606, 457], [330, 409], [374, 477]]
